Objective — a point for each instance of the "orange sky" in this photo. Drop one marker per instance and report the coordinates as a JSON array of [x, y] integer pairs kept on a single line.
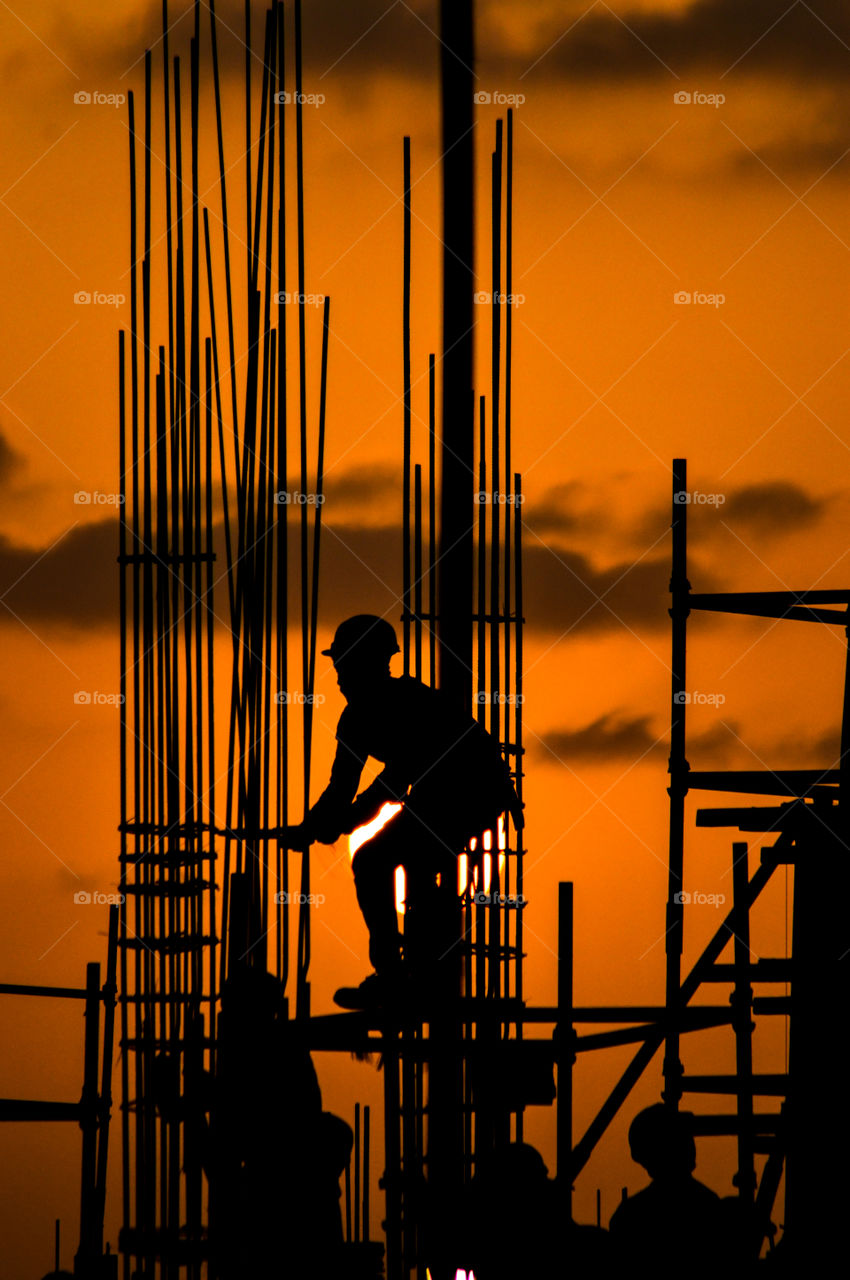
[[623, 198]]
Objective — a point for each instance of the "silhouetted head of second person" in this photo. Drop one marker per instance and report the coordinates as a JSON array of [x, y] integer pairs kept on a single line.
[[662, 1141], [361, 651]]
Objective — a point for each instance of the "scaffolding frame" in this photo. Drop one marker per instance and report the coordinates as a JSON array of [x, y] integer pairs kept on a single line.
[[94, 1109]]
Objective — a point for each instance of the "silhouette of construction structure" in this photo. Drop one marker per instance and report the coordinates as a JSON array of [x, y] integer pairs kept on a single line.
[[213, 543]]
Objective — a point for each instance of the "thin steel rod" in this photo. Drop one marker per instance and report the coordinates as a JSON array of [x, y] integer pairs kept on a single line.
[[432, 521], [417, 571], [406, 460]]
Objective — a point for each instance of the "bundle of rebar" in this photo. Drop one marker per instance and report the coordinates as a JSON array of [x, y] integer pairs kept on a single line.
[[203, 459]]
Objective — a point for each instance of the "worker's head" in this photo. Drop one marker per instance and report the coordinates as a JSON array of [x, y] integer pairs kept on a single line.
[[662, 1141], [361, 650]]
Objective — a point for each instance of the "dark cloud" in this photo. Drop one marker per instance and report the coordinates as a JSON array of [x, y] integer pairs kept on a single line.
[[340, 39], [10, 460], [565, 593], [770, 36], [624, 736], [609, 737], [821, 751], [619, 736], [812, 155], [568, 42], [75, 581], [557, 513], [776, 506], [377, 483], [771, 508]]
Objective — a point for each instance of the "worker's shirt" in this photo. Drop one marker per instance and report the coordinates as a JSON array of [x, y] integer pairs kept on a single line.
[[444, 765]]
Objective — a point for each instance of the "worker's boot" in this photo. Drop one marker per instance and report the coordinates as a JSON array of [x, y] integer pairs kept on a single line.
[[375, 992]]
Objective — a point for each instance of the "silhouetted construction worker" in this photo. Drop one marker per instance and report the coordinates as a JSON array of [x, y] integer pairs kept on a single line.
[[537, 1238], [274, 1156], [441, 764], [676, 1225]]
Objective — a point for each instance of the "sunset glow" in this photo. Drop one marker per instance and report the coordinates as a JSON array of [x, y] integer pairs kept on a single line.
[[360, 835], [682, 287]]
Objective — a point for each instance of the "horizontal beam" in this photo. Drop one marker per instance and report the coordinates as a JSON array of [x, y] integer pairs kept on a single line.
[[766, 1124], [771, 970], [633, 1035], [766, 1085], [799, 606], [762, 782], [763, 818], [21, 1109], [60, 993]]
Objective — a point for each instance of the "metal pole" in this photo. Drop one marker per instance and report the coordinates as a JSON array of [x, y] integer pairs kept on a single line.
[[679, 587], [565, 1055], [88, 1123], [456, 523]]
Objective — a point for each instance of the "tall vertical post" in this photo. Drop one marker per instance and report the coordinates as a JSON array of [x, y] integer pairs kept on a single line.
[[742, 999], [89, 1124], [818, 1110], [564, 1118], [679, 587], [455, 586], [456, 506], [405, 342]]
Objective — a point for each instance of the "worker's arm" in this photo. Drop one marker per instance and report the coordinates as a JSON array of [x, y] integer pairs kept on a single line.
[[337, 813], [390, 786], [329, 816]]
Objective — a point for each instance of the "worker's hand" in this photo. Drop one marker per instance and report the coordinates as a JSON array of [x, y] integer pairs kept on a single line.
[[298, 838], [517, 815]]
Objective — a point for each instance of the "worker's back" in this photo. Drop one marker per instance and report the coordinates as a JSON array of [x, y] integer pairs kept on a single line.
[[454, 767]]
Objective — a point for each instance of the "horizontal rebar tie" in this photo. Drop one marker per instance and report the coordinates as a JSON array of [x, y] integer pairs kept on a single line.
[[179, 943], [411, 616], [170, 888], [168, 997], [177, 858], [165, 1244], [164, 829], [151, 557], [163, 1042], [176, 830], [768, 1085]]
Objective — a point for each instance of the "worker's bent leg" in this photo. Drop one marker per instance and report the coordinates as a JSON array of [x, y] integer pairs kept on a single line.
[[431, 931], [374, 867]]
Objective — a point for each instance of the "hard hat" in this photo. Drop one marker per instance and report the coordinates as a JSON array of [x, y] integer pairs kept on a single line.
[[363, 635]]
